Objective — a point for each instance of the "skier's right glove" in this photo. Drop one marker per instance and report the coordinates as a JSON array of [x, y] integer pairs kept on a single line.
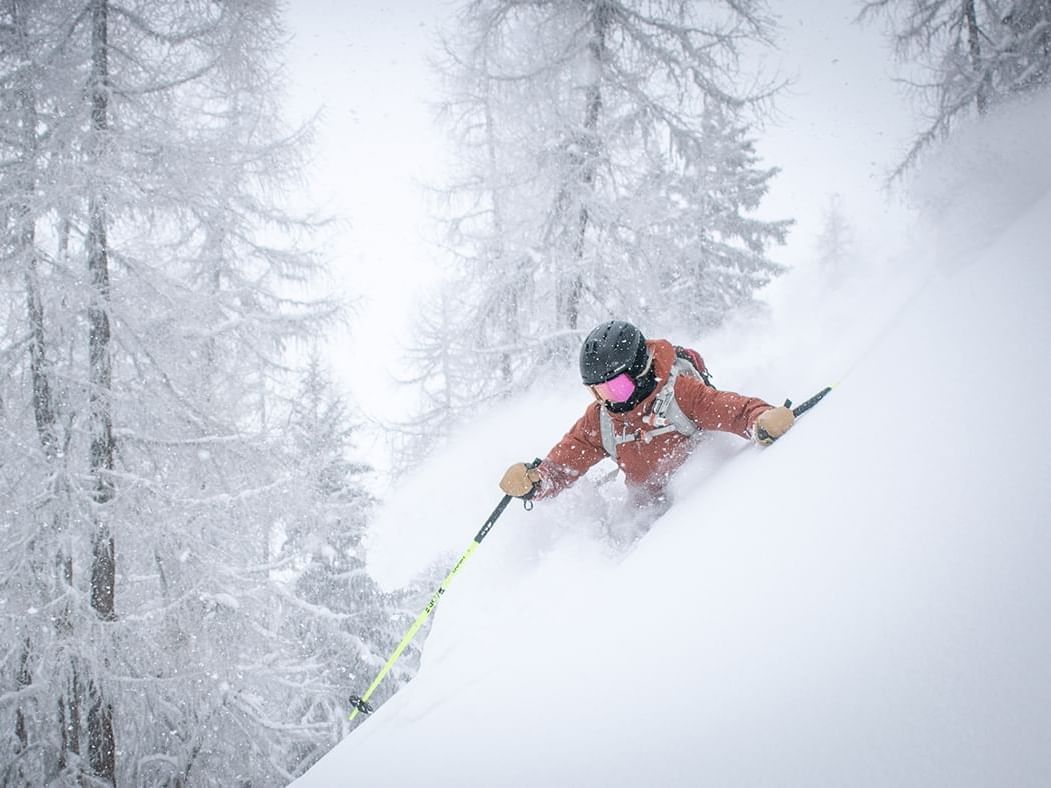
[[521, 481]]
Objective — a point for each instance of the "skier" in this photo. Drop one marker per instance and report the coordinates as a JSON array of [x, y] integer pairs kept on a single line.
[[652, 399]]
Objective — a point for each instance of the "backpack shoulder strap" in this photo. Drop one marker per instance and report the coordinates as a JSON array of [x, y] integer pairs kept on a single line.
[[609, 438], [666, 409]]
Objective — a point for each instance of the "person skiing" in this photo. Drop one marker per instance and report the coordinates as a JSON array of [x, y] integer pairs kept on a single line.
[[652, 399]]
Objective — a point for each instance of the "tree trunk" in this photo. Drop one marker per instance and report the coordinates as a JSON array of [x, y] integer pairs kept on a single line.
[[981, 98], [507, 320], [600, 21], [69, 701], [25, 254], [44, 411], [101, 750], [25, 678]]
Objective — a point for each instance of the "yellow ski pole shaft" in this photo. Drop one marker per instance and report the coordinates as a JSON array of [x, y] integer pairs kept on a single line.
[[361, 703]]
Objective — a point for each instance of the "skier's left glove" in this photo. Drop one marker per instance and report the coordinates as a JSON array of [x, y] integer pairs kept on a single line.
[[772, 424], [520, 481]]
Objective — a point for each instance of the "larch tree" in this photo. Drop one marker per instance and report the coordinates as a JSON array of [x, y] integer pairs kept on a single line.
[[605, 167], [972, 55], [152, 284]]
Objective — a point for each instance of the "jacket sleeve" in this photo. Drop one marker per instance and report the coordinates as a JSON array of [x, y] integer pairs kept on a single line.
[[579, 449], [718, 410]]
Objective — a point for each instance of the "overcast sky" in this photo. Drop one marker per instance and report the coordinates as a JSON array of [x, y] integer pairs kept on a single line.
[[840, 127], [364, 66]]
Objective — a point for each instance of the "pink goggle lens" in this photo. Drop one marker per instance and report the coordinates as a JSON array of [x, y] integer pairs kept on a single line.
[[619, 389]]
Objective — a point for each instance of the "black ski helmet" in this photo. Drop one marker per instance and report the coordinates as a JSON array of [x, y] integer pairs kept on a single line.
[[610, 349]]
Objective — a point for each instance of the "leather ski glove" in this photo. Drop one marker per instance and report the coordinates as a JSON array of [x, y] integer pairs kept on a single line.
[[520, 481], [772, 424]]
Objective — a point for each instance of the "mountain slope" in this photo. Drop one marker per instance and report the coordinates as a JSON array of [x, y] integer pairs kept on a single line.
[[867, 602]]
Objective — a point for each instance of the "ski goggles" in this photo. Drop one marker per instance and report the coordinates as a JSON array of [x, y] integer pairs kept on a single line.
[[618, 389]]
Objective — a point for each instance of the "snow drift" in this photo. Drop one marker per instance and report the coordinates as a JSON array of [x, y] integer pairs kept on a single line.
[[867, 602]]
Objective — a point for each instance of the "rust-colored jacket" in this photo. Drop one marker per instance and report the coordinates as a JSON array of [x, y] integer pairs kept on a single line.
[[648, 464]]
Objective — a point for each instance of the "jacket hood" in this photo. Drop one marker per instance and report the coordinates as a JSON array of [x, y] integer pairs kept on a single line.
[[663, 360]]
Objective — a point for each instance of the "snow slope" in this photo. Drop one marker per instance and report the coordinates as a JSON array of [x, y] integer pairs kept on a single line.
[[868, 602]]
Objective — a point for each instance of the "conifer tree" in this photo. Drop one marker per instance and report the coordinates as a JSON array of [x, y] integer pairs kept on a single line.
[[606, 168], [147, 310], [973, 54], [345, 624], [835, 243]]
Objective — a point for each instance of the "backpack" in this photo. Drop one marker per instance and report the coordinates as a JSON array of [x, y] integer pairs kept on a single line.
[[666, 415]]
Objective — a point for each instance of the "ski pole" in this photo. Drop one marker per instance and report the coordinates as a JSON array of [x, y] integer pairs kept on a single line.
[[799, 410], [361, 703]]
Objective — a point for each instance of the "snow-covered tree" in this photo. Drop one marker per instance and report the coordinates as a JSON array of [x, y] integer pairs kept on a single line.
[[606, 168], [1027, 45], [973, 54], [835, 243], [150, 285], [345, 626]]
